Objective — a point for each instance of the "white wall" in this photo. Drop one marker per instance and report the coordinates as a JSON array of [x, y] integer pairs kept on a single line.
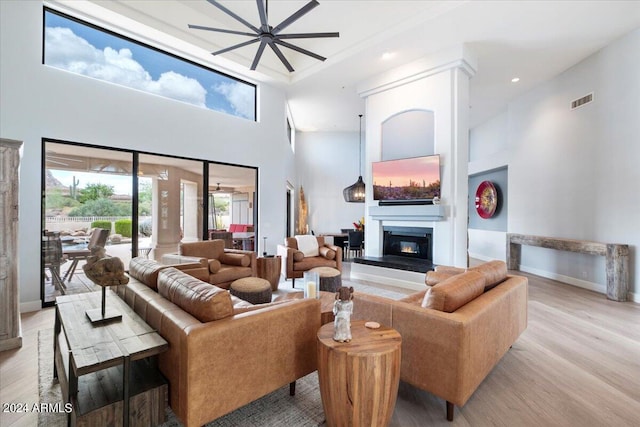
[[573, 174], [38, 101], [326, 163]]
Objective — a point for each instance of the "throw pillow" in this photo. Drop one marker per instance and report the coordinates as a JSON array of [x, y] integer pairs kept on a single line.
[[240, 260], [203, 301], [453, 293], [214, 266], [327, 253], [308, 245]]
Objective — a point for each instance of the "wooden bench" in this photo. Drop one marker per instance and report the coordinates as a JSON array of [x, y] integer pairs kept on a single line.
[[617, 258]]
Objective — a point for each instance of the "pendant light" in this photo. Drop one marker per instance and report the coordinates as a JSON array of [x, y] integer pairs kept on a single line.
[[355, 193]]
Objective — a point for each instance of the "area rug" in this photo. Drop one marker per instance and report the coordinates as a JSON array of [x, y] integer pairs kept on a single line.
[[275, 409]]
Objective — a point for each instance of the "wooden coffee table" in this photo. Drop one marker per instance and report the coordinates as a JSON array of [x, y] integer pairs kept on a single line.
[[359, 379], [118, 349]]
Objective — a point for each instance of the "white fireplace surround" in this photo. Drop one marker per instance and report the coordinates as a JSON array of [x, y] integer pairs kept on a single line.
[[440, 84]]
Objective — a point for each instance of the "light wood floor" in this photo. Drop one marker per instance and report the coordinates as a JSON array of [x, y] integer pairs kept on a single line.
[[577, 364]]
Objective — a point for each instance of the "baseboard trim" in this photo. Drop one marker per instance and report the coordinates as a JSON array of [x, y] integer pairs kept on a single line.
[[566, 279], [26, 307]]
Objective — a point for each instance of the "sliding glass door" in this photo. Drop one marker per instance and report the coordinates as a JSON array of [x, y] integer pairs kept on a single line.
[[145, 204], [87, 203]]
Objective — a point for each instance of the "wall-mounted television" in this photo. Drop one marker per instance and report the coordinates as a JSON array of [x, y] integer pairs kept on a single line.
[[414, 180]]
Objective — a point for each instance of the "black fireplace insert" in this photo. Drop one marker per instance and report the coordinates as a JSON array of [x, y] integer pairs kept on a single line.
[[409, 242]]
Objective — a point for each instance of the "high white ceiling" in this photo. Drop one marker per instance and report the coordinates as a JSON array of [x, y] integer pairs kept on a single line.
[[532, 40]]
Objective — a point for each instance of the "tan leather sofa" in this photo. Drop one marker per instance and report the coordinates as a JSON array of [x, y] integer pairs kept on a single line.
[[223, 352], [449, 353], [294, 263], [223, 265]]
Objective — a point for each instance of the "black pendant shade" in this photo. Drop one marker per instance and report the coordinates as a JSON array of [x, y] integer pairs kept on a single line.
[[356, 193]]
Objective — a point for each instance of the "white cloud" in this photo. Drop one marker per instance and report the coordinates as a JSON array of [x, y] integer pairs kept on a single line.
[[240, 96], [64, 49]]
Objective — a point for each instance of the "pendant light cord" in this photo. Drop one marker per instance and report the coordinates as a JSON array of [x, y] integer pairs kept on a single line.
[[360, 148]]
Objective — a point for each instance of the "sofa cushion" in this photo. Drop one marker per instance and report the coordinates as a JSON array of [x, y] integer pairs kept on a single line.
[[298, 256], [308, 245], [203, 301], [145, 271], [240, 260], [311, 262], [494, 273], [327, 253], [214, 266], [210, 249], [454, 292]]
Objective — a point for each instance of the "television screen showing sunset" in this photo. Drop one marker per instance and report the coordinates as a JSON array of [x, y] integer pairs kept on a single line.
[[416, 178]]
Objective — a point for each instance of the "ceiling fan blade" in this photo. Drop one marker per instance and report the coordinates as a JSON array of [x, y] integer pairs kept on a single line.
[[263, 16], [221, 30], [235, 46], [233, 15], [254, 65], [293, 18], [307, 35], [280, 55], [299, 49]]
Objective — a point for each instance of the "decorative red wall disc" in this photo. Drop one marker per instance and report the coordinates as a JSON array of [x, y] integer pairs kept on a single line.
[[486, 199]]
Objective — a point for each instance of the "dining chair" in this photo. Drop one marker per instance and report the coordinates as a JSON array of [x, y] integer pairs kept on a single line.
[[53, 258], [355, 243]]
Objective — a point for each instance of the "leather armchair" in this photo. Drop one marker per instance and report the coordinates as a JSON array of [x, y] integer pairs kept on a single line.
[[294, 263], [223, 265]]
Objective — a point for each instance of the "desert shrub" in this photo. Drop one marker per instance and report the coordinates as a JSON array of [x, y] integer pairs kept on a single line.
[[145, 227], [101, 207], [123, 227], [101, 224]]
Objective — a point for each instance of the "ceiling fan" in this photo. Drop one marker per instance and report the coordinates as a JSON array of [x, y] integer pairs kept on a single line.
[[268, 35]]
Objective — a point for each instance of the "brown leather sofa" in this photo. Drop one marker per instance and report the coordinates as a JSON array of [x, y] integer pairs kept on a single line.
[[223, 352], [223, 265], [454, 332], [294, 263]]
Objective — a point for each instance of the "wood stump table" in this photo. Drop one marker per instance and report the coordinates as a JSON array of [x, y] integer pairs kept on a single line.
[[269, 268], [330, 278], [359, 379]]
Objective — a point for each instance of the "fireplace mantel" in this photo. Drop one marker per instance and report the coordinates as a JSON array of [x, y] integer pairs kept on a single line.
[[407, 213]]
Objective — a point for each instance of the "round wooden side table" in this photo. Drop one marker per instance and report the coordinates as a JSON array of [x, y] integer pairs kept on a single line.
[[359, 379], [269, 268]]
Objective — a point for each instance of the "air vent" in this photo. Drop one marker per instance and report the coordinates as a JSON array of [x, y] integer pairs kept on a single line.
[[582, 101]]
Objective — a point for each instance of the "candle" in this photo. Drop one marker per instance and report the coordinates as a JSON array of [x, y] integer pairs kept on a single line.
[[311, 289]]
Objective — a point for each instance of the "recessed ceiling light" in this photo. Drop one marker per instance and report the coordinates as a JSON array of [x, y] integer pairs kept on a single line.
[[515, 80], [387, 55]]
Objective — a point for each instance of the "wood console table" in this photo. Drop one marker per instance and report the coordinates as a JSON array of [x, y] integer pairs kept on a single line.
[[101, 366], [359, 379], [617, 258]]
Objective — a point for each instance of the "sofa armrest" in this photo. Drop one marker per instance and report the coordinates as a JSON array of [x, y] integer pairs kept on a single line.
[[286, 255], [338, 251]]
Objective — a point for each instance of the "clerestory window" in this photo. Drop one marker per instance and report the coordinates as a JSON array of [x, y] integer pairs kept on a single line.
[[85, 49]]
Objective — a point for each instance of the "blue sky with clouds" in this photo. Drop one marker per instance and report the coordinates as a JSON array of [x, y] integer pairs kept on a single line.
[[84, 50]]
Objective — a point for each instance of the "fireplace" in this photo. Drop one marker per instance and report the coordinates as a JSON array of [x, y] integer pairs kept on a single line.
[[409, 242]]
